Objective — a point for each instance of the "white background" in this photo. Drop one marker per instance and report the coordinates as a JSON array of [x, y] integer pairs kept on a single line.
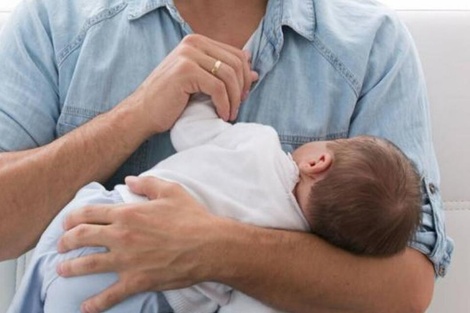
[[428, 4], [7, 5]]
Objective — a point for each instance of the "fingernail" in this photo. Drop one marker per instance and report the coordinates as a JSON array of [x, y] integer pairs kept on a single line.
[[246, 94], [131, 179], [247, 54], [85, 308], [88, 308], [234, 115]]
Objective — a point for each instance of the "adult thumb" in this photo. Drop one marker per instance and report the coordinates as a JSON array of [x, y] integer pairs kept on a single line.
[[151, 187]]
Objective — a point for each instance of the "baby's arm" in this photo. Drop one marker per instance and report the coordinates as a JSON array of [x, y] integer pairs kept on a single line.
[[197, 125]]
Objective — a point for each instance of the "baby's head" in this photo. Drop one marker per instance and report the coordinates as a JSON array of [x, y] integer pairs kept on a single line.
[[361, 194]]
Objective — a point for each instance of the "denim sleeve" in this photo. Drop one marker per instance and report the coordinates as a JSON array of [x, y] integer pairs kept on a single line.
[[393, 104], [29, 101]]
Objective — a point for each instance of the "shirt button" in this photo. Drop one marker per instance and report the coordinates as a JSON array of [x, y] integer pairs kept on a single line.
[[432, 188]]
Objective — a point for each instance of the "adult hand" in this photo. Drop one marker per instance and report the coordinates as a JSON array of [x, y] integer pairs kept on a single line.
[[156, 245], [192, 67]]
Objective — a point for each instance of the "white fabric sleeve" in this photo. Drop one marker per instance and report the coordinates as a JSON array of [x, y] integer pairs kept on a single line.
[[198, 124]]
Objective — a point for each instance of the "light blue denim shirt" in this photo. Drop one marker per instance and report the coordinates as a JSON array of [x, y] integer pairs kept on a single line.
[[328, 69]]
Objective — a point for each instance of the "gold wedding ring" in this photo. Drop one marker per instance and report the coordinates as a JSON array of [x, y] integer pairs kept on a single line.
[[216, 67]]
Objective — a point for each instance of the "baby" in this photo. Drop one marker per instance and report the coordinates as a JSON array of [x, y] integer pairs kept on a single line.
[[360, 194]]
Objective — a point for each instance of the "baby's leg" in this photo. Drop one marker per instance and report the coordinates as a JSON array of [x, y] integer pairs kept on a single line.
[[42, 290]]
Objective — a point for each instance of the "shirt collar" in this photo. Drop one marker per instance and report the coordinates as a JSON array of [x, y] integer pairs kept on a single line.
[[298, 15], [138, 8]]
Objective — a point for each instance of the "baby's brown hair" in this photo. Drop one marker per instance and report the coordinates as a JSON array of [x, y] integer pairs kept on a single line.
[[370, 199]]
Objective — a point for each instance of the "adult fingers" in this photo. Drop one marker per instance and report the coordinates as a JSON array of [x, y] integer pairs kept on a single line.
[[111, 296], [152, 187], [244, 59], [235, 62], [239, 62], [92, 214], [88, 264], [84, 235], [231, 56], [233, 89], [220, 85], [225, 78], [194, 68]]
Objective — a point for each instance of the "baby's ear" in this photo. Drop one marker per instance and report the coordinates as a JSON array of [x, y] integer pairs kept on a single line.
[[317, 165]]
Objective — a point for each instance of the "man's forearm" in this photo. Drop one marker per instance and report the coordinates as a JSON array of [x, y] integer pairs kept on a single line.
[[298, 272], [37, 183]]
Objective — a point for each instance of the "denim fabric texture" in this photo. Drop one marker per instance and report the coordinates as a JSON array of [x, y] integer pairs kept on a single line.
[[328, 69]]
